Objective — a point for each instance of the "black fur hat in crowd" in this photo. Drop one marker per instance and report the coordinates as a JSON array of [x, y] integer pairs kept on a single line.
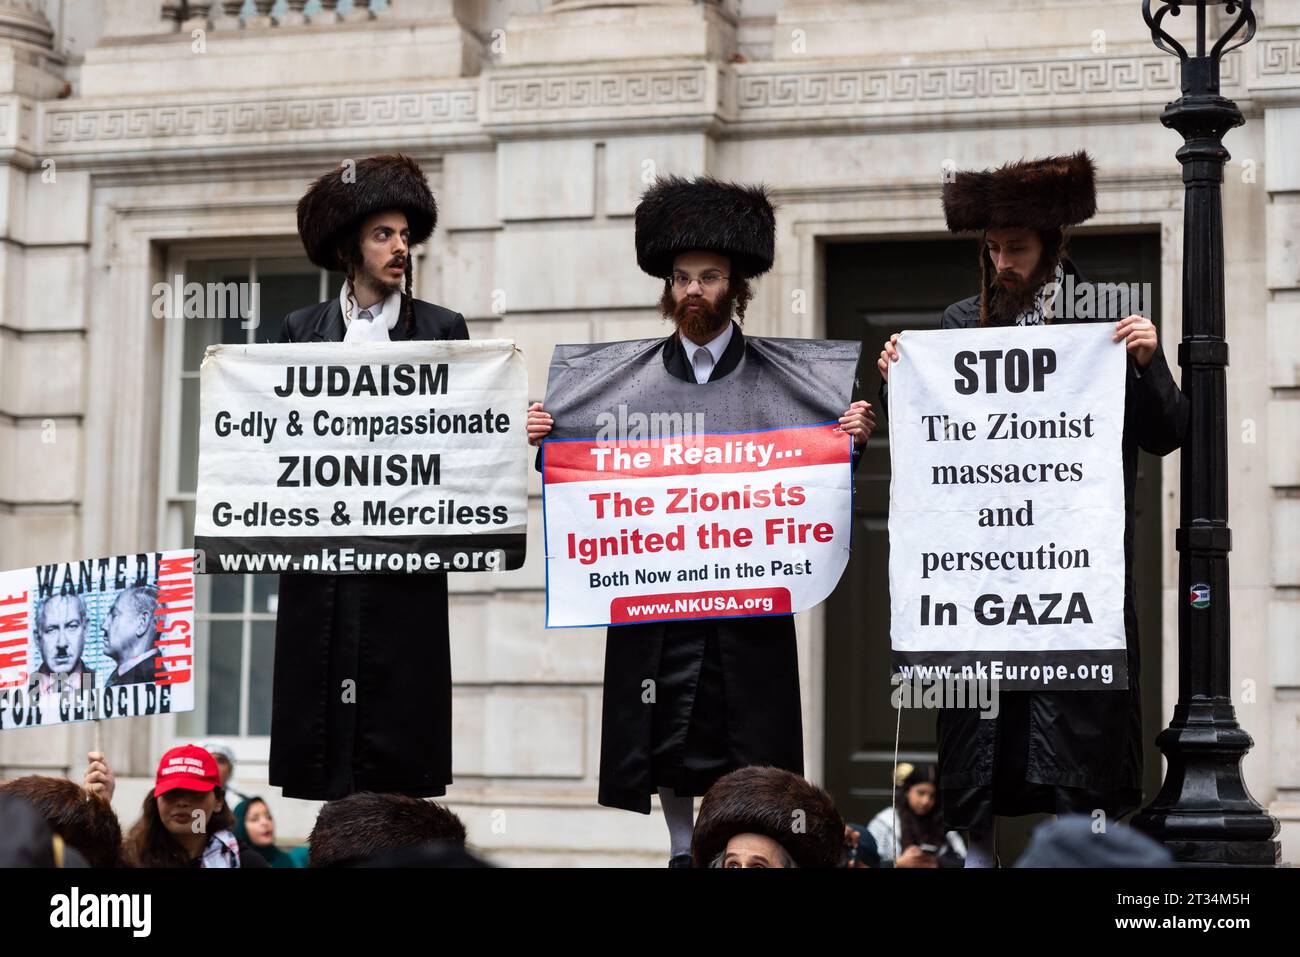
[[799, 816], [1041, 194], [367, 825], [333, 205], [678, 215]]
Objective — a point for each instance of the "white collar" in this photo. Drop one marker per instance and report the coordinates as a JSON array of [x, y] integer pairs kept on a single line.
[[716, 347], [127, 665], [389, 310]]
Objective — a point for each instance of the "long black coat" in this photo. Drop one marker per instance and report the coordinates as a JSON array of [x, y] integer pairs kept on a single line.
[[1064, 751], [387, 633], [687, 701]]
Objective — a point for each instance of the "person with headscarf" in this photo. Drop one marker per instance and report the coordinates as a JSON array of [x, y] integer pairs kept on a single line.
[[255, 828], [910, 832]]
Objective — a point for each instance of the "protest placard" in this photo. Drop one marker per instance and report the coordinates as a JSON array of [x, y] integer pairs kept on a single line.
[[98, 638], [666, 500], [1006, 515], [748, 523], [367, 457]]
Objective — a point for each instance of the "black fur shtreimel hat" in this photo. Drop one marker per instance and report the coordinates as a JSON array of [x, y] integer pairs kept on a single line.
[[338, 202], [1041, 194], [775, 803], [678, 215]]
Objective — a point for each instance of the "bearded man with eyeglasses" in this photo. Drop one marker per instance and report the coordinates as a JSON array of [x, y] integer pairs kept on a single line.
[[686, 702]]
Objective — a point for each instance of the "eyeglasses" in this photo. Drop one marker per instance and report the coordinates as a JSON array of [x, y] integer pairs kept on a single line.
[[707, 281]]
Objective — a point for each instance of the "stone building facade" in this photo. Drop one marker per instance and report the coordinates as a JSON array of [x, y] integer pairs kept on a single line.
[[141, 140]]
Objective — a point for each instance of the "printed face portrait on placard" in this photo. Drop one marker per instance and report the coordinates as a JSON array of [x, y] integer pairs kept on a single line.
[[105, 638], [67, 638], [129, 621], [61, 626]]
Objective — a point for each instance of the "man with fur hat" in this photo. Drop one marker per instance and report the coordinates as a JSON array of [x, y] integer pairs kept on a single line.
[[726, 689], [386, 635], [1066, 751], [767, 817]]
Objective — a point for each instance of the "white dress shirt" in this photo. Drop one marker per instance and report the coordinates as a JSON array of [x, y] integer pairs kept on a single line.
[[703, 358], [384, 315]]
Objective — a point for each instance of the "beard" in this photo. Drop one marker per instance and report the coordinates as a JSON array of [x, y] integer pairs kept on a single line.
[[1010, 294], [380, 279], [701, 324]]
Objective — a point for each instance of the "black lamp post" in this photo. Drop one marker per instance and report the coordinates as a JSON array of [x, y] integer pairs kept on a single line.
[[1203, 813]]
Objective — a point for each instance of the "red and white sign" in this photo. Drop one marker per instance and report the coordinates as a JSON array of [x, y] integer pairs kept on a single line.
[[97, 638], [720, 525]]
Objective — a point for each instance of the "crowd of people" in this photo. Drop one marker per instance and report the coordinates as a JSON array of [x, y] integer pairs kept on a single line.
[[752, 817]]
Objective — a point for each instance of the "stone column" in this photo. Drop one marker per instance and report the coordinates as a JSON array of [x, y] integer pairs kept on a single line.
[[44, 221], [1277, 84]]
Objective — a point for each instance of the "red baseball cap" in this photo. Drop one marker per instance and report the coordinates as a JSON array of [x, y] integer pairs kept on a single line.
[[186, 767]]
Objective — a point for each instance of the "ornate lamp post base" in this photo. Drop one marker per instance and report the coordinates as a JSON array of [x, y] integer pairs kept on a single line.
[[1204, 814]]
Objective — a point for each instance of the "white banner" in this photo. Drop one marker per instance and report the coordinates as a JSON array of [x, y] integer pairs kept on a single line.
[[100, 638], [1006, 513], [699, 526], [370, 457]]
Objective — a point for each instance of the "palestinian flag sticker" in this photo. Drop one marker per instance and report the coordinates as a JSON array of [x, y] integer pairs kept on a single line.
[[1200, 596]]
